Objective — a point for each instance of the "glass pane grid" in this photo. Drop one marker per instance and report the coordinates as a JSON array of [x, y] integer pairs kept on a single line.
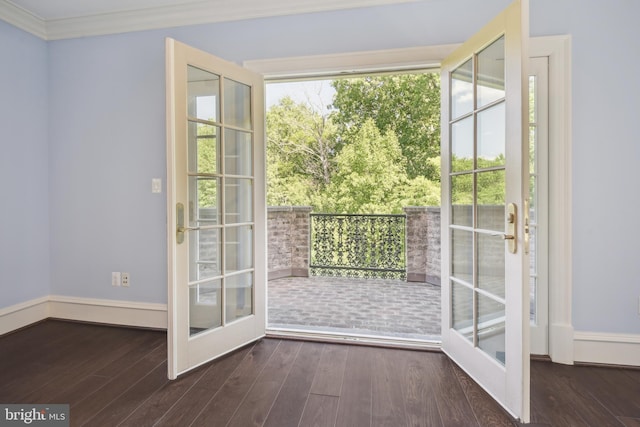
[[221, 181], [477, 185]]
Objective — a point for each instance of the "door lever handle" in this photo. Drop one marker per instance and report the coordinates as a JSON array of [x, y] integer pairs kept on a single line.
[[504, 236], [183, 229]]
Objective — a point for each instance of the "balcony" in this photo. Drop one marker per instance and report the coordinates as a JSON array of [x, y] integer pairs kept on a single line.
[[390, 268]]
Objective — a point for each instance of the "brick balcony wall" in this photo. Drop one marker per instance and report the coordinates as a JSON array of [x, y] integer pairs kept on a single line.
[[288, 241]]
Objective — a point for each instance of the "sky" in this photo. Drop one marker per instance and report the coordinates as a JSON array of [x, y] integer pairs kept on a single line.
[[317, 93]]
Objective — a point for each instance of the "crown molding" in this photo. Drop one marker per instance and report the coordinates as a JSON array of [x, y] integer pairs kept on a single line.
[[23, 19], [202, 12]]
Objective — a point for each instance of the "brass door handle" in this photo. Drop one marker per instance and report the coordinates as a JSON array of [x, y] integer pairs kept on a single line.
[[180, 228], [504, 236]]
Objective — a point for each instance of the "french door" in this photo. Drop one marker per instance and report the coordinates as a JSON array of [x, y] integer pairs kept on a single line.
[[485, 295], [216, 207]]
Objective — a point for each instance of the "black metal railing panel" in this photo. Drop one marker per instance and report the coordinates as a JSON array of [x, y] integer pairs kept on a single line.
[[353, 245]]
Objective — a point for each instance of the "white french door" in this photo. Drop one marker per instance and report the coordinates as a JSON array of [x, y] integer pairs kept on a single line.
[[485, 294], [216, 207]]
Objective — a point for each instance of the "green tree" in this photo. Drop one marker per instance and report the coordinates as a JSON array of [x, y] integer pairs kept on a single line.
[[406, 104], [300, 152], [369, 174]]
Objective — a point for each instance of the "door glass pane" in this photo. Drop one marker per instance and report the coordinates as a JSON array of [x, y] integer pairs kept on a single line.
[[239, 296], [204, 201], [462, 145], [238, 248], [533, 292], [205, 306], [462, 90], [491, 264], [491, 73], [462, 255], [238, 158], [207, 256], [491, 327], [462, 199], [491, 137], [204, 149], [491, 200], [203, 94], [237, 104], [238, 200], [462, 309]]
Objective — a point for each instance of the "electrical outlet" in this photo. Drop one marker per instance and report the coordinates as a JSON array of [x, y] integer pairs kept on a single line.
[[125, 279], [115, 279]]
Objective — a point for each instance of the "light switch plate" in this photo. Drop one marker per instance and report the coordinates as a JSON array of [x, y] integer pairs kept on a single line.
[[156, 185]]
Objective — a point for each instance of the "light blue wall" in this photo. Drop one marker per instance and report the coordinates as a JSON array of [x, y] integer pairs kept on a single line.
[[606, 154], [107, 137], [24, 201]]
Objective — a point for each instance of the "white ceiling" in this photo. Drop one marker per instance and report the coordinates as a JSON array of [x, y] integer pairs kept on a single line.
[[59, 19]]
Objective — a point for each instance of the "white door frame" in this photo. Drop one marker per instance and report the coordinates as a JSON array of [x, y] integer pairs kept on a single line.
[[558, 50]]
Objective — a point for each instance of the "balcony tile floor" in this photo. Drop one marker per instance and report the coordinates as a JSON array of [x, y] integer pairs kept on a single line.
[[379, 307]]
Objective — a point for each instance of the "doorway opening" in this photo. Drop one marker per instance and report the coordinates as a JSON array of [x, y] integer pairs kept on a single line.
[[353, 189]]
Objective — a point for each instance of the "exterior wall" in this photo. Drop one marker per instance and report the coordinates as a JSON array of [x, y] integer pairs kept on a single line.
[[417, 243], [288, 241]]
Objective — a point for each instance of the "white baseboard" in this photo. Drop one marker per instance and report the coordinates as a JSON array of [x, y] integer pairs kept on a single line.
[[611, 349], [23, 314], [126, 313]]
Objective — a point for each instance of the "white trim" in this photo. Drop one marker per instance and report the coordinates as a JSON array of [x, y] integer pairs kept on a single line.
[[352, 62], [24, 314], [202, 12], [558, 49], [23, 19], [611, 349], [125, 313], [350, 338]]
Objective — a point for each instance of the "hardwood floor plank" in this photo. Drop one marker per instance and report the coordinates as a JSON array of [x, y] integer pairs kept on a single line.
[[387, 399], [188, 405], [121, 407], [86, 360], [354, 407], [452, 403], [55, 357], [629, 422], [609, 386], [288, 407], [136, 352], [320, 411], [159, 402], [418, 390], [223, 405], [79, 391], [328, 378], [561, 400], [256, 405], [487, 411], [130, 374]]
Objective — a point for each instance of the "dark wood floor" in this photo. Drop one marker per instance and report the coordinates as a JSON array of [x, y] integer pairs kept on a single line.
[[118, 377]]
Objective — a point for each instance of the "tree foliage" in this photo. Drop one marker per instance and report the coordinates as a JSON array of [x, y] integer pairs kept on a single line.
[[377, 151], [406, 104]]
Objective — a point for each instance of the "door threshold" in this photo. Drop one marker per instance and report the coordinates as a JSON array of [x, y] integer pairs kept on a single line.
[[355, 339]]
